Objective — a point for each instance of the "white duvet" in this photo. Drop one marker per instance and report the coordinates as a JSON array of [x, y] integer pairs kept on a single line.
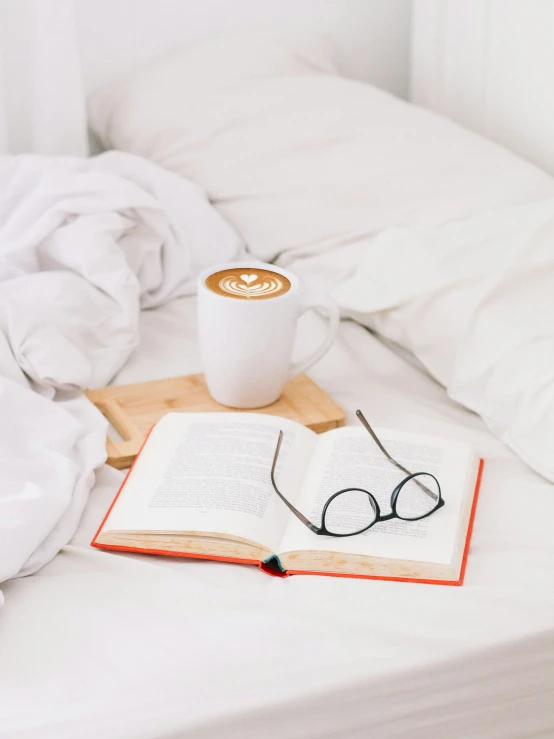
[[87, 243], [84, 245], [474, 301], [135, 646]]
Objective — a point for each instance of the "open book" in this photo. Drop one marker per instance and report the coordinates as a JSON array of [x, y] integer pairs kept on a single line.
[[201, 487]]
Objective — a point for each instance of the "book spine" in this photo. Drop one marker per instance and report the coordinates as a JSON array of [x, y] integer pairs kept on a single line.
[[272, 566]]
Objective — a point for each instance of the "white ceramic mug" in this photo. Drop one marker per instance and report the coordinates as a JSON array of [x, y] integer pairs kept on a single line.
[[246, 345]]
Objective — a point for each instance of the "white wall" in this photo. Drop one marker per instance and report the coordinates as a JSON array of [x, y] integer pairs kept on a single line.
[[489, 64], [42, 107], [372, 36]]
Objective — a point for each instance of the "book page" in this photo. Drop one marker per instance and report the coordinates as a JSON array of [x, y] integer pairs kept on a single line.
[[349, 457], [210, 472]]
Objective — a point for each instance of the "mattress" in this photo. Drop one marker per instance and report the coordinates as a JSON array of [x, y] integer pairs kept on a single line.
[[135, 646]]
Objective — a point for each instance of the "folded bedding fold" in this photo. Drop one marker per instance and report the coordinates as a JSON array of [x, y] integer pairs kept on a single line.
[[84, 245], [473, 300]]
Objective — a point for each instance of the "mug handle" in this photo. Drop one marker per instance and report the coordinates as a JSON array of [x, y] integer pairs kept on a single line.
[[330, 308]]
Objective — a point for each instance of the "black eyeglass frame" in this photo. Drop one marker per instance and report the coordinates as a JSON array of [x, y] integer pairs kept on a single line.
[[323, 531]]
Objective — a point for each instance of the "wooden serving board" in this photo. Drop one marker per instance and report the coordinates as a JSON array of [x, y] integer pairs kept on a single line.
[[134, 409]]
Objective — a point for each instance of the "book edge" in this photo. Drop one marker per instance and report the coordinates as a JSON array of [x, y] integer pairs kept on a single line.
[[471, 521], [98, 532], [166, 553]]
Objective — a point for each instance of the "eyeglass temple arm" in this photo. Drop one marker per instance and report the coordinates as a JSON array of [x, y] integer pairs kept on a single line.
[[420, 485], [290, 506]]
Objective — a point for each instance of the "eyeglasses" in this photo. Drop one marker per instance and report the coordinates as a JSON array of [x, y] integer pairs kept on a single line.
[[353, 510]]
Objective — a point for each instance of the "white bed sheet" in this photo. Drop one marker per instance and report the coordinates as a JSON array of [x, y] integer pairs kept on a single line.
[[128, 646]]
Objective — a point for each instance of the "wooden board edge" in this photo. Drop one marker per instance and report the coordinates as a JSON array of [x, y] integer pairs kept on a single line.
[[105, 398], [122, 463], [322, 426]]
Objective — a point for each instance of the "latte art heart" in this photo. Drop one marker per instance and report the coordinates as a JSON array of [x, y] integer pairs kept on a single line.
[[248, 283], [259, 289]]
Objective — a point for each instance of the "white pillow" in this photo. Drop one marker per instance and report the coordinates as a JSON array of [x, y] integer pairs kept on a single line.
[[346, 182], [296, 157]]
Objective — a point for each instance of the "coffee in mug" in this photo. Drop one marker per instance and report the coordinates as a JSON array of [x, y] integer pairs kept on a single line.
[[247, 317], [248, 283]]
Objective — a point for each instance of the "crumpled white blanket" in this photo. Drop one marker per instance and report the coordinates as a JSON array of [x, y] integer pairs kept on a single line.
[[473, 300], [84, 245]]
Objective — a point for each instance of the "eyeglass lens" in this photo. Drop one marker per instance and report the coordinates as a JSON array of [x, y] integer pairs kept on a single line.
[[350, 512], [414, 501]]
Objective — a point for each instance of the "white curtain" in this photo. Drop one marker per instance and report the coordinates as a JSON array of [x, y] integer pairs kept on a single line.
[[488, 64], [42, 101]]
